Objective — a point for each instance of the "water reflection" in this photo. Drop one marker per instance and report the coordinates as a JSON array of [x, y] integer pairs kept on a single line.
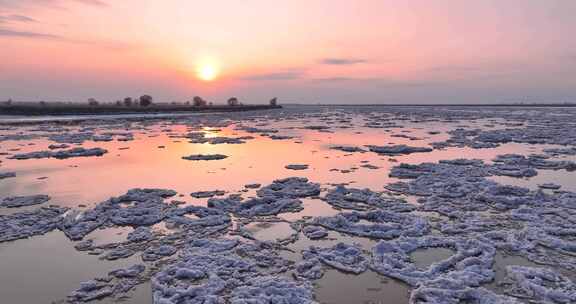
[[47, 267]]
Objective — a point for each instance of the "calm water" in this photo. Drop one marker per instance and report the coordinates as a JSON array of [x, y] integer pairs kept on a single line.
[[44, 269]]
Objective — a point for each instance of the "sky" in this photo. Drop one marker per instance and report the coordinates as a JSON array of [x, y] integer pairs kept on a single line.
[[301, 51]]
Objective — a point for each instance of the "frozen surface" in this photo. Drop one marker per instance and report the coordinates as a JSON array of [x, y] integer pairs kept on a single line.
[[61, 154], [407, 205], [21, 201]]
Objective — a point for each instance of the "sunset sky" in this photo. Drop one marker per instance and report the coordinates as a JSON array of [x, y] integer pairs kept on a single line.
[[309, 51]]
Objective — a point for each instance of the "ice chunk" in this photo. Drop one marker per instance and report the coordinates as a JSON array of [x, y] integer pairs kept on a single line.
[[21, 201]]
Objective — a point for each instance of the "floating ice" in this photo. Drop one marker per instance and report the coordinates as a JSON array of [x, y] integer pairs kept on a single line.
[[314, 232], [397, 149], [61, 154], [140, 234], [59, 146], [272, 290], [130, 272], [29, 223], [204, 157], [551, 186], [138, 207], [290, 187], [91, 290], [348, 149], [280, 137], [119, 282], [344, 257], [452, 280], [364, 199], [206, 194], [256, 206], [21, 201], [521, 166], [209, 270], [296, 167], [118, 253], [4, 175], [376, 224], [539, 284], [156, 253]]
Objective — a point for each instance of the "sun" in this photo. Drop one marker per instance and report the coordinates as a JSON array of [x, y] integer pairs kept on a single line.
[[207, 70]]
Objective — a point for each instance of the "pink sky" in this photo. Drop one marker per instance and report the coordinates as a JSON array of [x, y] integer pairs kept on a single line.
[[301, 51]]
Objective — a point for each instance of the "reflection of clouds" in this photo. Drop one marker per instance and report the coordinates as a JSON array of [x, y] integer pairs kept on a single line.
[[260, 160]]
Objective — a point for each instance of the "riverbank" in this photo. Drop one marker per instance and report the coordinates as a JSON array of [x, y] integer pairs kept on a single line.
[[35, 109]]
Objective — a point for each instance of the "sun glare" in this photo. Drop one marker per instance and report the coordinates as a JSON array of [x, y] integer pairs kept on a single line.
[[207, 70]]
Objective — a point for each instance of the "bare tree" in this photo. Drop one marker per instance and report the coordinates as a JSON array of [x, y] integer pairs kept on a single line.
[[274, 101], [199, 102], [233, 101], [93, 102], [145, 100], [128, 101]]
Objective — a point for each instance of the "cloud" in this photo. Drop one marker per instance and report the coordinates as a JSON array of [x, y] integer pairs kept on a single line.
[[4, 32], [337, 79], [342, 79], [288, 75], [379, 81], [21, 34], [59, 4], [342, 61], [93, 2], [16, 18], [455, 68]]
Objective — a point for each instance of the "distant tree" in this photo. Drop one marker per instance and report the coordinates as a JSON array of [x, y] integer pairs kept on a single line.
[[274, 101], [210, 104], [93, 102], [199, 102], [43, 103], [233, 101], [145, 100], [128, 101], [188, 102], [9, 102], [118, 103]]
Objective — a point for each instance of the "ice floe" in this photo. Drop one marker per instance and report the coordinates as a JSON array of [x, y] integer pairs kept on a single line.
[[29, 223], [61, 154], [21, 201], [205, 157]]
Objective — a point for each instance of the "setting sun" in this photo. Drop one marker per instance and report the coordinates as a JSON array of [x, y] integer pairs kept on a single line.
[[207, 71]]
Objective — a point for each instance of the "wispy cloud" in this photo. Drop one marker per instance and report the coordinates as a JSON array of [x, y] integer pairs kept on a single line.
[[4, 32], [342, 61], [379, 81], [287, 75], [455, 68], [93, 2], [9, 33], [59, 4], [16, 18], [342, 79]]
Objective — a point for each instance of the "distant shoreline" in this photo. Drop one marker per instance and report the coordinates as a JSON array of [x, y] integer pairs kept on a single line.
[[486, 105], [56, 109]]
